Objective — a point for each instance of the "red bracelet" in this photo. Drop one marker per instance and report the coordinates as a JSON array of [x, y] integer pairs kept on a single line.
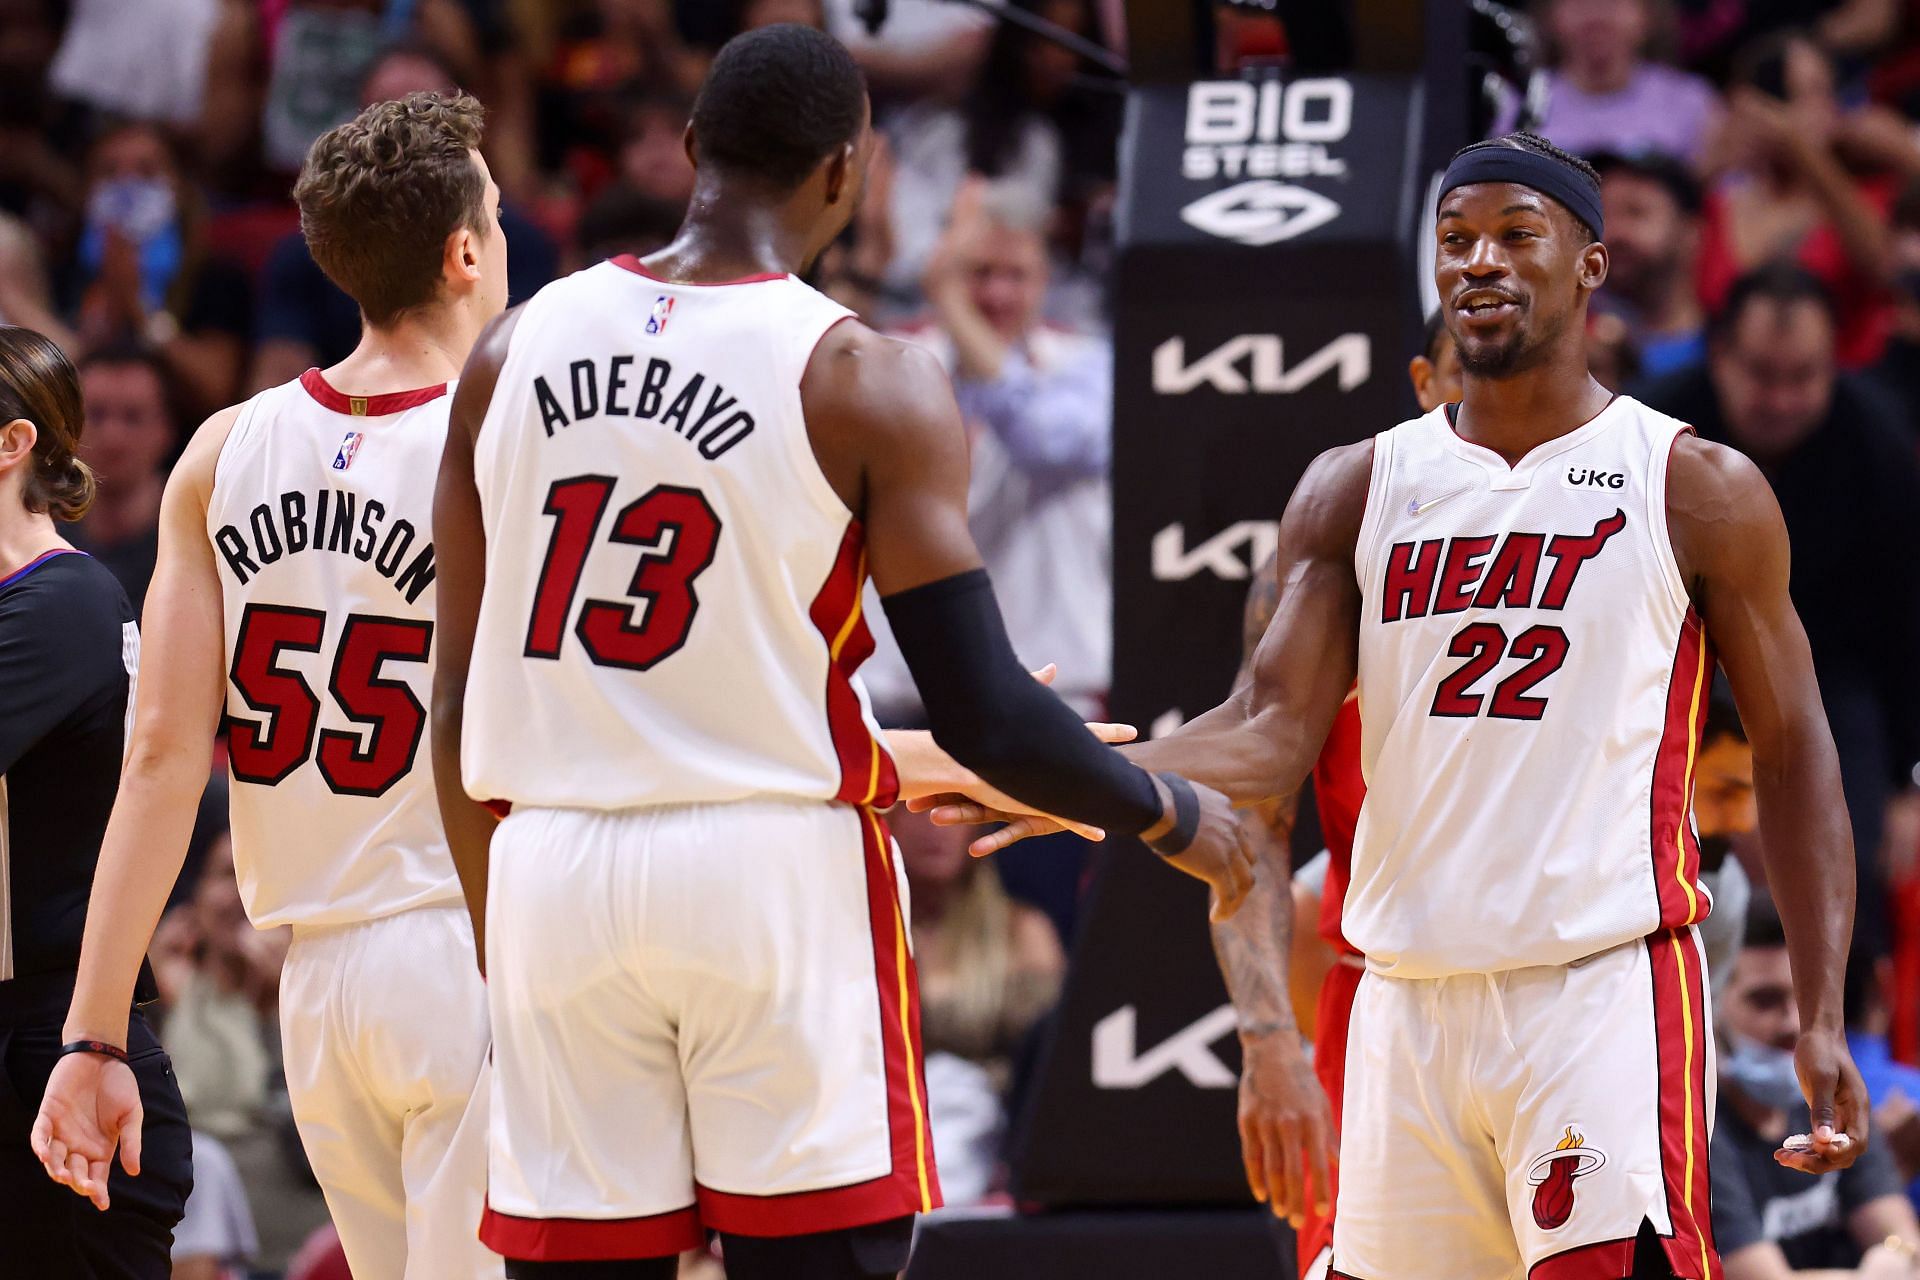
[[100, 1047]]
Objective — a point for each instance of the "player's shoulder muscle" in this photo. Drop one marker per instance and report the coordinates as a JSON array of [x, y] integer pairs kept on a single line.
[[1722, 515], [1328, 506], [191, 481], [872, 403]]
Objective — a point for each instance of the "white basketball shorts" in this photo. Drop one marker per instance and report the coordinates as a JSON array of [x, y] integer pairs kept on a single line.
[[705, 1017], [1528, 1122]]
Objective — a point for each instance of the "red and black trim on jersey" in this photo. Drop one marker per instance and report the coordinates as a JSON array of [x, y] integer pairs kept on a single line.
[[1676, 850], [378, 406], [867, 775]]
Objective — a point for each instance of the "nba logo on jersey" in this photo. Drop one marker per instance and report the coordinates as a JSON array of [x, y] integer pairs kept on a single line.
[[662, 308], [348, 447]]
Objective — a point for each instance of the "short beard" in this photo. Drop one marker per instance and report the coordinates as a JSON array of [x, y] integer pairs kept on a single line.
[[1521, 352]]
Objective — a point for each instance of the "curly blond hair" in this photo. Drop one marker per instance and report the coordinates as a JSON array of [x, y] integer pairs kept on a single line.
[[380, 194]]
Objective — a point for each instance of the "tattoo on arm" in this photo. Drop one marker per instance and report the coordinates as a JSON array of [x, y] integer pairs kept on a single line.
[[1253, 946]]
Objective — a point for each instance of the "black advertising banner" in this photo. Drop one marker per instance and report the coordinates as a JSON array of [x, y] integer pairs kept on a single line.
[[1265, 310]]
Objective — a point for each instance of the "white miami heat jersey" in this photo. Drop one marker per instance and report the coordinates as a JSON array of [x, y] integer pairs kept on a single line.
[[672, 609], [1533, 684], [321, 520]]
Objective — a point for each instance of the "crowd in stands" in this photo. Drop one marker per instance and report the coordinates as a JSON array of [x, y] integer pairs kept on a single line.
[[1760, 165]]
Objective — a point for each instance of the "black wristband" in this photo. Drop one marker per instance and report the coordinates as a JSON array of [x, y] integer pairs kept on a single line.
[[1186, 817], [100, 1047]]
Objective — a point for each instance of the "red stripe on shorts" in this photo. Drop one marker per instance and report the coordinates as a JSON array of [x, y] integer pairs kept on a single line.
[[912, 1185], [1681, 1036], [590, 1239]]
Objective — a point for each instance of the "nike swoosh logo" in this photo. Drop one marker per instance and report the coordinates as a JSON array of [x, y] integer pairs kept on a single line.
[[1417, 508]]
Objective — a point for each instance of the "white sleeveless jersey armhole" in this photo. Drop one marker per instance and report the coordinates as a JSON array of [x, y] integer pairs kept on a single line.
[[672, 611], [321, 524], [1532, 688]]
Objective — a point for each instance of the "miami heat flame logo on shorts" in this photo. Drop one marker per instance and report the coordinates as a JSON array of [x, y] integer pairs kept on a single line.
[[1552, 1176]]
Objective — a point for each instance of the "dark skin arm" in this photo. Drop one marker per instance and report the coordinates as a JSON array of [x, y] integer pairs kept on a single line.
[[1286, 1126], [460, 545], [889, 439], [1260, 744], [1731, 545]]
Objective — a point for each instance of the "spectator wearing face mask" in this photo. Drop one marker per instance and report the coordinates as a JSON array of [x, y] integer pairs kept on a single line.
[[146, 271], [1769, 1221]]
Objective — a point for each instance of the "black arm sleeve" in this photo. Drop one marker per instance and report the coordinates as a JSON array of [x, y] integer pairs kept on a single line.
[[988, 713]]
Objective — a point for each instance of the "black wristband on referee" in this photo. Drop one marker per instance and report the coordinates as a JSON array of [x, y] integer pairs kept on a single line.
[[100, 1047], [1186, 817]]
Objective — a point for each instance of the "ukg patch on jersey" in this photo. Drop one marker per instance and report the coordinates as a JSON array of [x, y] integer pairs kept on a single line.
[[348, 447], [662, 309]]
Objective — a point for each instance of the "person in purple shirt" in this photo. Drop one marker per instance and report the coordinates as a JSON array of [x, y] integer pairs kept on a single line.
[[1605, 94]]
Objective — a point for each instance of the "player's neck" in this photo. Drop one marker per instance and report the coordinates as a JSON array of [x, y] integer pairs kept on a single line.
[[729, 240], [1514, 415], [25, 535], [418, 350]]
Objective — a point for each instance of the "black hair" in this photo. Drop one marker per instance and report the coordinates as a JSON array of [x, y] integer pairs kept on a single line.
[[1657, 167], [777, 102], [1723, 717], [1763, 927], [1583, 172], [1783, 283], [1436, 334]]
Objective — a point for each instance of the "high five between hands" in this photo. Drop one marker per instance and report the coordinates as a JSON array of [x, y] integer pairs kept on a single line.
[[933, 782]]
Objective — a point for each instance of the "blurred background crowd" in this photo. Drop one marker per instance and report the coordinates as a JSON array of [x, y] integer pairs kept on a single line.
[[1760, 162]]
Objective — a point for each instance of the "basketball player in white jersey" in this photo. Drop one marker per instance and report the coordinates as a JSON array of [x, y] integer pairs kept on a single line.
[[1533, 586], [294, 594], [666, 482]]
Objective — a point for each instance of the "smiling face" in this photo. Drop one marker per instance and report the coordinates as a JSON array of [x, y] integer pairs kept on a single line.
[[1514, 269]]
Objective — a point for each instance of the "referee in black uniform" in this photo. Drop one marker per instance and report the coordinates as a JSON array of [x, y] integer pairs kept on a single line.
[[67, 651]]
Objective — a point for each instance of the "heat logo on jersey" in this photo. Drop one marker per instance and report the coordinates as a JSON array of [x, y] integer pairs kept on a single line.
[[1552, 1177], [662, 310], [1474, 573], [348, 447]]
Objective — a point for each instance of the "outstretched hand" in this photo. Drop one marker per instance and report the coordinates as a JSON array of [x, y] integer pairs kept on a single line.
[[92, 1105]]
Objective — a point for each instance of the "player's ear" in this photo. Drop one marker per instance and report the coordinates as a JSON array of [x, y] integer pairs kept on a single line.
[[1420, 373], [1593, 266], [686, 144], [840, 173], [17, 439], [462, 258]]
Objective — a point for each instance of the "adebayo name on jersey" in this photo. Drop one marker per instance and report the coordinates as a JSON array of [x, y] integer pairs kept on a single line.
[[336, 520], [619, 387]]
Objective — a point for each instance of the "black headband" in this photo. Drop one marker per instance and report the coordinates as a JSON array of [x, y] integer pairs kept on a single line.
[[1526, 169]]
